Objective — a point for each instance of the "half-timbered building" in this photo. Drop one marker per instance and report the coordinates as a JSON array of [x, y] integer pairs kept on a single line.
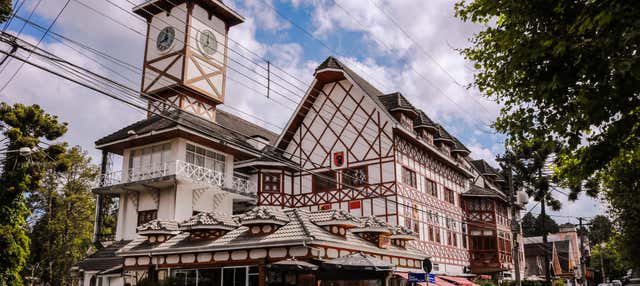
[[390, 178]]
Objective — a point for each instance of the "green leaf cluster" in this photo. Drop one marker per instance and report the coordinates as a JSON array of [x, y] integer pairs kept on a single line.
[[62, 209], [568, 71], [23, 126]]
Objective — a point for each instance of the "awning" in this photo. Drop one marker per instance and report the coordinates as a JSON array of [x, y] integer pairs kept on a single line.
[[358, 261], [459, 281], [442, 282], [292, 264], [404, 275]]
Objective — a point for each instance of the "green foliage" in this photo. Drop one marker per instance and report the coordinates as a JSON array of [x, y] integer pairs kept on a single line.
[[23, 126], [62, 210], [568, 71], [558, 282], [5, 10], [600, 229], [615, 264], [529, 225], [532, 225]]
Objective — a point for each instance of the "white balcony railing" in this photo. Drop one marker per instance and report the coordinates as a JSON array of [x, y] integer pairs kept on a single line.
[[178, 168]]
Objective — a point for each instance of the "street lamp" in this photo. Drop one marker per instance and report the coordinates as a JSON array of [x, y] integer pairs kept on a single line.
[[604, 277]]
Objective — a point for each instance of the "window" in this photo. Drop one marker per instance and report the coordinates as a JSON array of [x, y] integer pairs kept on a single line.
[[406, 121], [409, 177], [324, 181], [449, 196], [146, 216], [271, 182], [227, 276], [431, 232], [426, 136], [430, 187], [205, 158], [355, 177], [455, 239], [149, 157]]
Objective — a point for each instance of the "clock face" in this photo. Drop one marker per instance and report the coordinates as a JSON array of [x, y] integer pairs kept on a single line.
[[165, 38], [207, 42]]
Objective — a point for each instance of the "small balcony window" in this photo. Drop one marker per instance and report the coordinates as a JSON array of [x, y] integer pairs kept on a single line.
[[449, 196], [271, 182]]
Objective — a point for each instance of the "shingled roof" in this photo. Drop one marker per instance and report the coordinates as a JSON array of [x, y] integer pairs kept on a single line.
[[298, 229], [104, 259], [423, 121], [397, 102], [484, 168], [208, 220], [227, 126]]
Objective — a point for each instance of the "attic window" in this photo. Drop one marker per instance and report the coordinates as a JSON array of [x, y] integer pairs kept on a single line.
[[426, 136], [406, 121]]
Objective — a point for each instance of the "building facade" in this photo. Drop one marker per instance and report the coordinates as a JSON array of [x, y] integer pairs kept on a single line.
[[347, 147]]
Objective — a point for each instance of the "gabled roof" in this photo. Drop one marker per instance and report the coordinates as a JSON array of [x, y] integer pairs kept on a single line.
[[227, 126], [334, 217], [264, 214], [484, 168], [397, 102]]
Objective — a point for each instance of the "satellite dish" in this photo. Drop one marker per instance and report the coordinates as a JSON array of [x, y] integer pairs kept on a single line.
[[523, 198], [426, 265]]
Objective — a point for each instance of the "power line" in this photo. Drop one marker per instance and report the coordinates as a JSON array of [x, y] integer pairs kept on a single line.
[[39, 41]]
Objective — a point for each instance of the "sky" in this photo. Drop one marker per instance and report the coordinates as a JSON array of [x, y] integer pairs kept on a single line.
[[410, 46]]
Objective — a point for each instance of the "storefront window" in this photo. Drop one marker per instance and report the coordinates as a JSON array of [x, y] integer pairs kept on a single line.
[[227, 276]]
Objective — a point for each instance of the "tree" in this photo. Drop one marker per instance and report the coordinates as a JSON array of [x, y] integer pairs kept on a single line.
[[568, 71], [22, 172], [615, 264], [529, 225], [600, 230], [532, 225], [62, 234], [550, 225], [5, 10]]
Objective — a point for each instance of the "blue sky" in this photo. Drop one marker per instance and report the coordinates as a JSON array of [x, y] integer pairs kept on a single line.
[[400, 45]]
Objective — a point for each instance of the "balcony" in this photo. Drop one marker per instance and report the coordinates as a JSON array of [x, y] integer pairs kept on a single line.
[[165, 174]]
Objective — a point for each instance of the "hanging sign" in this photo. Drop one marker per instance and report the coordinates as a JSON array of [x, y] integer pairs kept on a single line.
[[416, 277]]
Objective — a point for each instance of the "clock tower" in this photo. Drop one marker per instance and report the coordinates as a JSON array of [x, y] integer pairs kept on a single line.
[[185, 61]]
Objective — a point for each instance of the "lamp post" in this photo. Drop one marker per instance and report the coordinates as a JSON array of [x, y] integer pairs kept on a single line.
[[604, 277]]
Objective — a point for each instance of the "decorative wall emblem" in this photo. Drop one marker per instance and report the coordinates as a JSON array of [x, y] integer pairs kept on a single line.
[[339, 159]]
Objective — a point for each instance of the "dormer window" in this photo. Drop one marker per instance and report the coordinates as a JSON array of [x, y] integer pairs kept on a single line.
[[406, 121], [158, 231], [206, 225], [426, 136], [337, 222], [263, 220], [374, 230]]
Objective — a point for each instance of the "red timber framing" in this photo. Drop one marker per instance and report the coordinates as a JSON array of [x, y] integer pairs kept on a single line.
[[338, 116], [489, 234], [437, 221]]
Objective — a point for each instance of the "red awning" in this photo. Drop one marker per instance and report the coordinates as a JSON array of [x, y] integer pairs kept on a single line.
[[459, 281], [442, 282], [404, 275]]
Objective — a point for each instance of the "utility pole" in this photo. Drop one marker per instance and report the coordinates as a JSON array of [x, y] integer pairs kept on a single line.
[[583, 265], [543, 215], [515, 227]]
